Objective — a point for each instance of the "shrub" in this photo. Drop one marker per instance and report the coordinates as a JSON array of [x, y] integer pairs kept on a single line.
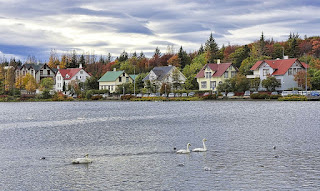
[[127, 97], [209, 97], [89, 94], [293, 98], [96, 97], [260, 96]]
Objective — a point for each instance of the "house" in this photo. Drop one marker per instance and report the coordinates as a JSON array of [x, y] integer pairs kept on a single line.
[[282, 69], [111, 79], [38, 71], [164, 75], [65, 76], [211, 75]]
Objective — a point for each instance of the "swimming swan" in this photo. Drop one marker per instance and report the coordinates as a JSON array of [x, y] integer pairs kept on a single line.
[[182, 151], [84, 160], [204, 149]]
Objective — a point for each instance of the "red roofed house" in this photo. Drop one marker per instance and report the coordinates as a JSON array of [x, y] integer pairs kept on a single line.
[[65, 76], [211, 75], [282, 69]]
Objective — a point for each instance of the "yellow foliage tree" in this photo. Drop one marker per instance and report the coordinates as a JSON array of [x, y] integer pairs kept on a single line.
[[19, 82], [9, 79], [63, 62], [53, 59], [29, 82]]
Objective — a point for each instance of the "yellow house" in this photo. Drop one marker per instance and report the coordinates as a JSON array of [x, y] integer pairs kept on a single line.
[[111, 79], [211, 75]]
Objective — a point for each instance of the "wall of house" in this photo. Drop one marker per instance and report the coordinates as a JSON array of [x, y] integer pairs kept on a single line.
[[59, 82], [214, 81], [111, 86]]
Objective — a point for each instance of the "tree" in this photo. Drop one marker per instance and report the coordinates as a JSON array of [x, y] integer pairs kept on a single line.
[[83, 62], [91, 83], [270, 83], [242, 83], [53, 59], [183, 58], [123, 56], [63, 63], [300, 78], [46, 84], [211, 49], [176, 78], [262, 46], [201, 50], [254, 83], [9, 79], [174, 61], [239, 55], [2, 74]]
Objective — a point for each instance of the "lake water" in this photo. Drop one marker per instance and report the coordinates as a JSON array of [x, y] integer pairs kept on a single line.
[[132, 144]]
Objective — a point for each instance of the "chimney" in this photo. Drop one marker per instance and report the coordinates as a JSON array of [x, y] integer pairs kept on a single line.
[[80, 65], [278, 58], [218, 61], [58, 67], [114, 69], [285, 57]]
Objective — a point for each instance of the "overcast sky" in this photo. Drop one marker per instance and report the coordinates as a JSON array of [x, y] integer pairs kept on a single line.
[[34, 27]]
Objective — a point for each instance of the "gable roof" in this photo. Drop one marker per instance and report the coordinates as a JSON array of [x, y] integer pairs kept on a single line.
[[70, 71], [160, 72], [133, 76], [218, 68], [36, 67], [280, 66], [110, 76]]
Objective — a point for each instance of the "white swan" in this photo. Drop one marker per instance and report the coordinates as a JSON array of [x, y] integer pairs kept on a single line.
[[84, 160], [204, 149], [183, 151]]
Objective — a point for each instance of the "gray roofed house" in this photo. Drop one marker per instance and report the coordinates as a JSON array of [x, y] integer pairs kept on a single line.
[[163, 74], [38, 71]]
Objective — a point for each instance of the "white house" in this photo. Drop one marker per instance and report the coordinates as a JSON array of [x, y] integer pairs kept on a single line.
[[65, 76], [163, 74], [282, 69], [111, 79]]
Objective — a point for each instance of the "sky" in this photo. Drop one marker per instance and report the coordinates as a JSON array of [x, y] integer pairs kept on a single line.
[[35, 27]]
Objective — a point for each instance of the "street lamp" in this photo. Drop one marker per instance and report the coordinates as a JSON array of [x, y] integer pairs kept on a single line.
[[165, 89], [123, 90], [282, 52], [134, 80], [306, 79]]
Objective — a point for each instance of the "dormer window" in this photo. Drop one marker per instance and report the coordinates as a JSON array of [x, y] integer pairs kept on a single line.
[[208, 74], [67, 76]]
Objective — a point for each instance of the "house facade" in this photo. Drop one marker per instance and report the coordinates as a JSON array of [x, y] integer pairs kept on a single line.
[[111, 79], [283, 70], [38, 71], [164, 75], [65, 76], [211, 75]]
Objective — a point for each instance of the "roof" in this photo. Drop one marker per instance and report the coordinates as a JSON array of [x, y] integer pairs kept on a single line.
[[70, 71], [133, 76], [218, 68], [110, 76], [160, 72], [280, 66], [36, 67]]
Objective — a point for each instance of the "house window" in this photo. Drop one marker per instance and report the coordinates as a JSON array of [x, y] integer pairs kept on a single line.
[[203, 85], [44, 67], [111, 88], [290, 71], [41, 72], [76, 77], [213, 84], [208, 74], [233, 73], [120, 79], [279, 80], [265, 72], [31, 72], [226, 75], [299, 69], [124, 74], [81, 72], [220, 82], [294, 71], [48, 72], [127, 79]]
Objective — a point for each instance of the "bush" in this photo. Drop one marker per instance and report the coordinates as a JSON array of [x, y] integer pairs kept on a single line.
[[45, 94], [96, 97], [260, 96], [209, 97], [293, 98], [275, 96], [127, 97], [89, 94]]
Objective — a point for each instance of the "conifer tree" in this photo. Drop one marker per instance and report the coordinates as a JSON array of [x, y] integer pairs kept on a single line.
[[211, 49]]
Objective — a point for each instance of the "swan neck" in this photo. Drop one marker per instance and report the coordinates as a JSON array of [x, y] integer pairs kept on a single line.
[[187, 147], [204, 145]]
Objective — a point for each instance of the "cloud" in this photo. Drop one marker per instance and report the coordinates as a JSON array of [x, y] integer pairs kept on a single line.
[[34, 26]]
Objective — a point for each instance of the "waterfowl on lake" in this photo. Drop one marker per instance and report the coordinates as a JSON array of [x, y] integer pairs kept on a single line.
[[204, 149], [84, 160], [183, 151]]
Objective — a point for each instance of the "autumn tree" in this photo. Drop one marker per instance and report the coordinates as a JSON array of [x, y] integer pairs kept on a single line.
[[46, 84], [2, 74], [300, 78], [53, 59], [239, 55], [9, 79], [63, 63], [270, 83], [174, 61], [19, 82]]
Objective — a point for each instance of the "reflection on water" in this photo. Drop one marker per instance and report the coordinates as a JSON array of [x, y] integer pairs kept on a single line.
[[132, 144]]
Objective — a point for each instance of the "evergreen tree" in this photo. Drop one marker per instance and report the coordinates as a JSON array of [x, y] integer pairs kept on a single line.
[[201, 50], [123, 56], [101, 60], [82, 61], [262, 46], [157, 53], [183, 58], [134, 55], [141, 55], [108, 60], [211, 49]]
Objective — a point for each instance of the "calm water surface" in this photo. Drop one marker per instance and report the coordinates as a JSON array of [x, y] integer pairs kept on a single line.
[[132, 144]]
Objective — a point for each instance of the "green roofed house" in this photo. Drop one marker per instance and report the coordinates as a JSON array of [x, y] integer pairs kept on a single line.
[[111, 79]]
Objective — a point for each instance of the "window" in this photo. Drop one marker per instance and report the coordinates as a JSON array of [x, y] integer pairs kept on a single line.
[[279, 80], [31, 71], [124, 74], [226, 75], [48, 72], [265, 72], [41, 72], [290, 71], [120, 80], [112, 88], [203, 85], [213, 84], [299, 69], [44, 67], [208, 74], [294, 71], [220, 82], [233, 73], [127, 79], [81, 72], [76, 77]]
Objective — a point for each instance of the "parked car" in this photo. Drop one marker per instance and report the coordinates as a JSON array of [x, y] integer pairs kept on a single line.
[[152, 95], [284, 93], [184, 95], [157, 94], [177, 95], [171, 95], [191, 94], [145, 95], [139, 95], [230, 94], [315, 93], [206, 94], [274, 93], [164, 95], [223, 94], [246, 93]]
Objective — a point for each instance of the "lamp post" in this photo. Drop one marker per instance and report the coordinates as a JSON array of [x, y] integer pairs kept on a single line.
[[123, 90], [282, 52], [134, 80], [165, 89], [306, 79]]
